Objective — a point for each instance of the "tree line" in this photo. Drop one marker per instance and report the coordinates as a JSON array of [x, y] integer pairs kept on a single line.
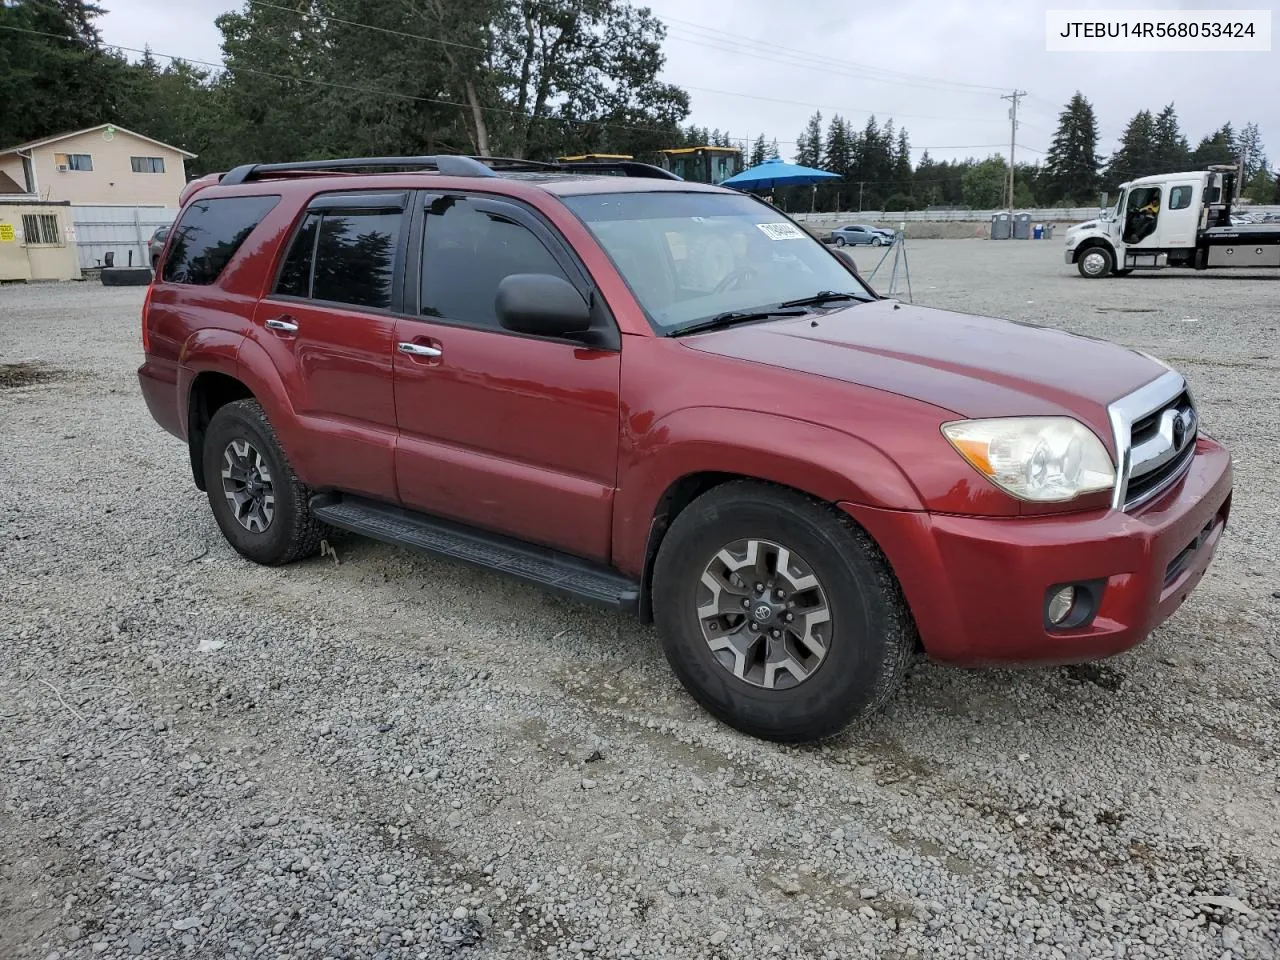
[[518, 78], [331, 78]]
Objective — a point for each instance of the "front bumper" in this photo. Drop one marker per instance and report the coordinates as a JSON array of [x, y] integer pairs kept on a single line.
[[977, 585], [1069, 255]]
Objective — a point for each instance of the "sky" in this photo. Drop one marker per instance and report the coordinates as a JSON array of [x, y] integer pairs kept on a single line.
[[938, 67]]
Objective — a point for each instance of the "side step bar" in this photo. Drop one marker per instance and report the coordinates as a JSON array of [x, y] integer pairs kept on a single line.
[[550, 569]]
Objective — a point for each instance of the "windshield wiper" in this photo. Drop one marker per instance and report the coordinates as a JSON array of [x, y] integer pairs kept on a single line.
[[821, 297], [734, 317]]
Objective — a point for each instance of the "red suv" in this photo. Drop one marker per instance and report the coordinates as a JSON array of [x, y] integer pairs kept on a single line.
[[668, 398]]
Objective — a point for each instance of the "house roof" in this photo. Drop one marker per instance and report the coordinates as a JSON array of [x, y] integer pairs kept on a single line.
[[31, 144]]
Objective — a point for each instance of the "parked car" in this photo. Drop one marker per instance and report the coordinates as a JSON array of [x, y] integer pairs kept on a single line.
[[665, 397], [156, 244], [859, 234]]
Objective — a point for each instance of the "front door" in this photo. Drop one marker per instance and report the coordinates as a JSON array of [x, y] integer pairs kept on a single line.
[[517, 434], [329, 329], [1180, 219]]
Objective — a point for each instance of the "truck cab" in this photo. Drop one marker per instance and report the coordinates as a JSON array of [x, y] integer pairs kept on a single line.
[[1172, 220]]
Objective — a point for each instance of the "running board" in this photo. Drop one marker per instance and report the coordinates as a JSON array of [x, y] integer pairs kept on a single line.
[[550, 569]]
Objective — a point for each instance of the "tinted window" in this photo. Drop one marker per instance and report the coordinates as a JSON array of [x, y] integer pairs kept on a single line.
[[295, 275], [209, 234], [355, 257], [1179, 198], [466, 253]]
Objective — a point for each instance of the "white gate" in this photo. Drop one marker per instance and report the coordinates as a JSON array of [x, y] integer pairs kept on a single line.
[[122, 230]]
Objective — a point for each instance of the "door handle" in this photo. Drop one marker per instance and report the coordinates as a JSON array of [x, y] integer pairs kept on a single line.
[[282, 323], [419, 350]]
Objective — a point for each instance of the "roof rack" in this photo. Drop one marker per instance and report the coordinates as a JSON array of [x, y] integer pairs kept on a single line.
[[446, 164], [625, 168]]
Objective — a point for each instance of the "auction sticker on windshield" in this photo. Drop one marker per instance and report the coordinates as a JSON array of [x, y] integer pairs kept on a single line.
[[781, 231]]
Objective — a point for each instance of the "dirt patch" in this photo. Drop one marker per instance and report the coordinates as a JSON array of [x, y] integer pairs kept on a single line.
[[27, 374]]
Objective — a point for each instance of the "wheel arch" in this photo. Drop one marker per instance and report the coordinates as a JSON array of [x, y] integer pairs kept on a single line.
[[210, 391], [1089, 244]]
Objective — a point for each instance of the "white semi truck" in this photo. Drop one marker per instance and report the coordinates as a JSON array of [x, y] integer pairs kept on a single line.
[[1172, 220]]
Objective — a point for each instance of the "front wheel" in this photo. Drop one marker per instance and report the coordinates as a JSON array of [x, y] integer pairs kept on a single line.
[[778, 614], [841, 241], [1095, 263], [877, 241]]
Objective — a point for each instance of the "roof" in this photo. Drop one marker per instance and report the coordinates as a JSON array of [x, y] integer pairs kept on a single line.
[[44, 141], [677, 150]]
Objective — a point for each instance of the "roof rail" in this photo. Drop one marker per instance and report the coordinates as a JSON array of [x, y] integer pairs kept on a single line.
[[446, 164], [449, 165], [626, 168]]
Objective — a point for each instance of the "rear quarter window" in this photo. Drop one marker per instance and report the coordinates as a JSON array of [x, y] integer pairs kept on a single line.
[[209, 233]]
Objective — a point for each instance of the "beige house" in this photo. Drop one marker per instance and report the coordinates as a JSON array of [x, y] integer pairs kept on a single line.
[[104, 164]]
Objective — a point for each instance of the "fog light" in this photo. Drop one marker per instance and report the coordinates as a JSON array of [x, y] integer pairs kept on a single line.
[[1060, 604]]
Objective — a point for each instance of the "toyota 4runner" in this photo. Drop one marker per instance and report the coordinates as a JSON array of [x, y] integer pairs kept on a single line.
[[667, 398]]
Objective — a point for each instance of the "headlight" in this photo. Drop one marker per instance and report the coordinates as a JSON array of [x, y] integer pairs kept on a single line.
[[1044, 459]]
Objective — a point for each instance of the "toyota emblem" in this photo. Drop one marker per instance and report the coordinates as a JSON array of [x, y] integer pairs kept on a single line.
[[1179, 430], [762, 612]]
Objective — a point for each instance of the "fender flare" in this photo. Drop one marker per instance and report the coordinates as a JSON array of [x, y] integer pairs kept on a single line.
[[818, 460]]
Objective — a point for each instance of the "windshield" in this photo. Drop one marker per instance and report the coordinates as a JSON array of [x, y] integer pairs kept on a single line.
[[689, 257]]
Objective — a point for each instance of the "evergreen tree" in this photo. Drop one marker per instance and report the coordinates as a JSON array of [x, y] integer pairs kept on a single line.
[[836, 154], [1071, 165], [758, 151], [1219, 147], [902, 163], [773, 150], [1136, 156], [1172, 154], [810, 145]]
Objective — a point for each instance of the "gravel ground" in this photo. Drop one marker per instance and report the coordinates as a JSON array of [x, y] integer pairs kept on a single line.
[[380, 755]]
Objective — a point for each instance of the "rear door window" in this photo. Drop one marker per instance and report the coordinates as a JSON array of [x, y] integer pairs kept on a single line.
[[209, 234], [345, 251]]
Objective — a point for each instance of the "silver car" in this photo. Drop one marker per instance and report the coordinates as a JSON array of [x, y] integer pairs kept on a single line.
[[156, 244], [860, 234]]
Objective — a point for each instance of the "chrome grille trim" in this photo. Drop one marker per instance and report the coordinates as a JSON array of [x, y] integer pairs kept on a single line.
[[1154, 397]]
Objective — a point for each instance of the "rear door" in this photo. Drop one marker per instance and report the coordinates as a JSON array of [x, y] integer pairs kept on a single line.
[[329, 327], [514, 433]]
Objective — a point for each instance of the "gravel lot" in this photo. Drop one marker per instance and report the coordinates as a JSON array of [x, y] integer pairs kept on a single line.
[[380, 755]]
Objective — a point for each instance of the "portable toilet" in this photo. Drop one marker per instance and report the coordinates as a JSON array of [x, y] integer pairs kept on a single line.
[[1037, 232], [1022, 226], [1001, 227]]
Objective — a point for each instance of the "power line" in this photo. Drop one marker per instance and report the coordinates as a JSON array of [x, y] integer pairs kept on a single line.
[[718, 34], [370, 26]]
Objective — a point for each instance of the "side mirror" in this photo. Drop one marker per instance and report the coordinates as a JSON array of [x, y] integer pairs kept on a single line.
[[844, 254], [541, 304]]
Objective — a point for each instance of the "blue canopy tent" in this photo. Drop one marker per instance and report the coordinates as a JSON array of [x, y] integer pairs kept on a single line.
[[777, 173]]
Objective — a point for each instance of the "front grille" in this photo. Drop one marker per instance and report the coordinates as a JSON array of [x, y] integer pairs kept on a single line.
[[1157, 425]]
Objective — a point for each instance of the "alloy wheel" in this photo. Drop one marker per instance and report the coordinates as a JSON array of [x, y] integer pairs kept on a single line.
[[247, 485], [764, 614]]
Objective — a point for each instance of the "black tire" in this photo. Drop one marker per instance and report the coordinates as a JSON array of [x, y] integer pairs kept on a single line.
[[841, 241], [292, 532], [872, 637], [1095, 262], [877, 241]]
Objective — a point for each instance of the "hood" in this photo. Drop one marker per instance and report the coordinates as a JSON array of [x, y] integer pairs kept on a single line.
[[1087, 225], [971, 366]]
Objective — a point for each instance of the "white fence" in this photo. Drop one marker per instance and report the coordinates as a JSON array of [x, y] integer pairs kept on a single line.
[[1041, 215], [122, 230]]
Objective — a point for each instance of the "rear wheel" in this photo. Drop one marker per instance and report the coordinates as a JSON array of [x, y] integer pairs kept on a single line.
[[778, 614], [1095, 263], [258, 502]]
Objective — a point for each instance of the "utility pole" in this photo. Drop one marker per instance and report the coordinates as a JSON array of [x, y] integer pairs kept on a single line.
[[1013, 136]]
